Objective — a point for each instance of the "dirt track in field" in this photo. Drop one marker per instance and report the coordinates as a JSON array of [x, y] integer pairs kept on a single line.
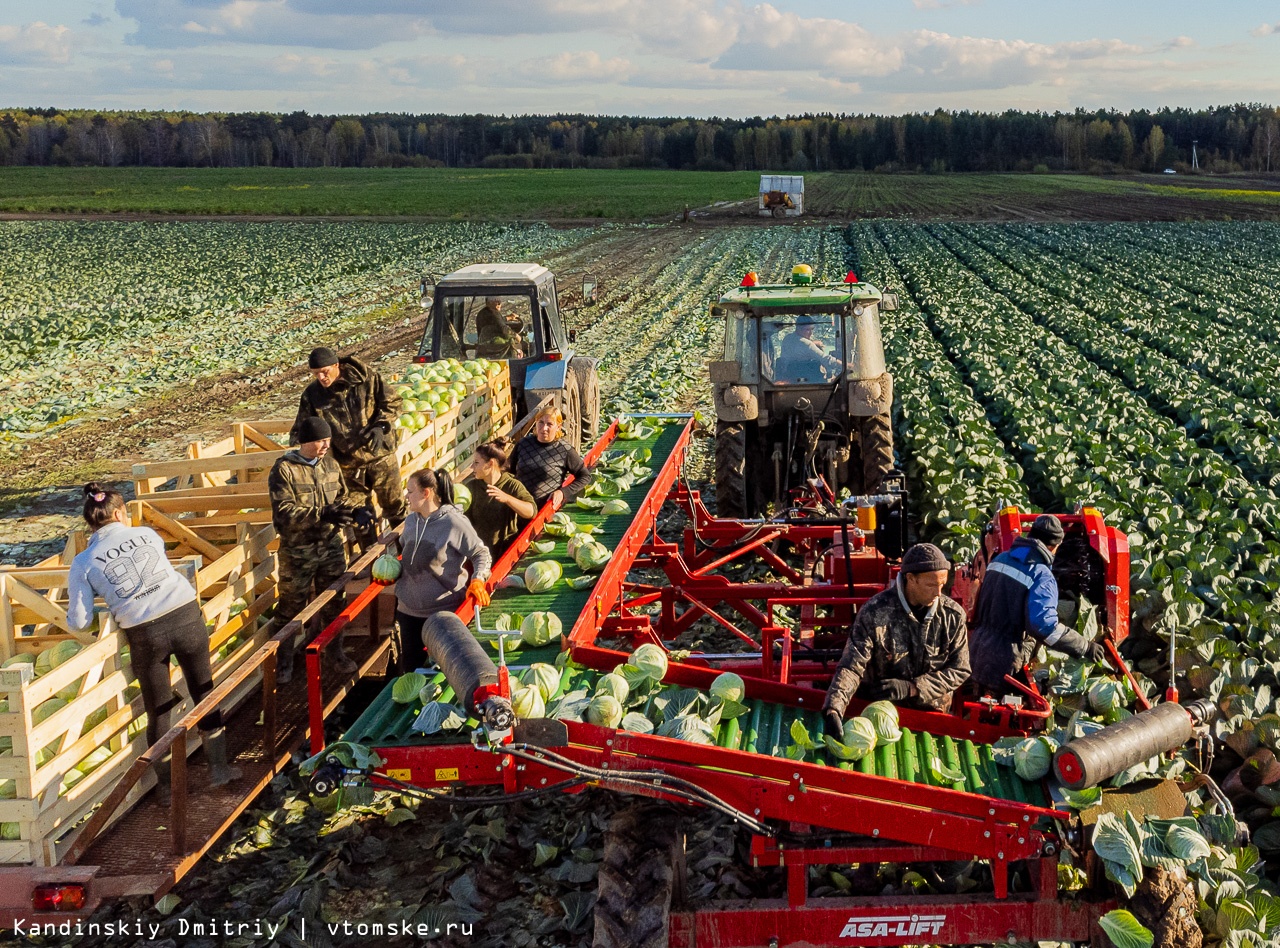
[[40, 493]]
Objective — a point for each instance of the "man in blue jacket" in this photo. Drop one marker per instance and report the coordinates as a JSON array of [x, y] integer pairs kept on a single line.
[[1017, 609]]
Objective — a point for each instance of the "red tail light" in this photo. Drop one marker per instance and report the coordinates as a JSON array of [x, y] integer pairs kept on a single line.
[[419, 358], [57, 898]]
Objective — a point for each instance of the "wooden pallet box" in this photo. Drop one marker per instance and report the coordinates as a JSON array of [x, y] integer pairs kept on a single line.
[[68, 735]]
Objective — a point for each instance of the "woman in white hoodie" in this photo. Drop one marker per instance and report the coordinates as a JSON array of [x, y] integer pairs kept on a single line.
[[156, 609], [442, 561]]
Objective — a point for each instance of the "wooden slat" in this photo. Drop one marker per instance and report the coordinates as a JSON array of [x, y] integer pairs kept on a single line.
[[212, 501], [21, 593], [179, 531], [225, 462]]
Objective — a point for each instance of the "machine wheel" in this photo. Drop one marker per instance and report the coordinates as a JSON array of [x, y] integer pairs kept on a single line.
[[588, 395], [731, 469], [568, 402], [876, 438], [779, 212], [642, 846]]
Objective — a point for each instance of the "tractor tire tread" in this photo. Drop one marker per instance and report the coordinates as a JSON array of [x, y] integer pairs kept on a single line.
[[731, 469], [636, 879]]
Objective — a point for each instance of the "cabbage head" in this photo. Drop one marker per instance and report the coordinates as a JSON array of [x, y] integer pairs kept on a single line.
[[527, 702], [857, 741], [1106, 695], [650, 659], [728, 687], [46, 708], [55, 655], [616, 506], [539, 628], [637, 723], [605, 711], [544, 677], [884, 716], [386, 568], [576, 542], [461, 497], [560, 525], [614, 685], [406, 687], [687, 727], [542, 575], [592, 556], [1032, 757]]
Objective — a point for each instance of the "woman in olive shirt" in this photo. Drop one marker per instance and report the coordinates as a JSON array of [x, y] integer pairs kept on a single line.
[[499, 502]]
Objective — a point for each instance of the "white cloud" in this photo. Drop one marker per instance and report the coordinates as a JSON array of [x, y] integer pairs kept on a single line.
[[572, 67], [35, 43], [1266, 29], [943, 4]]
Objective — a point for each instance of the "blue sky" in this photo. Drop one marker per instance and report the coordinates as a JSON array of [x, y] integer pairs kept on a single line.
[[641, 57]]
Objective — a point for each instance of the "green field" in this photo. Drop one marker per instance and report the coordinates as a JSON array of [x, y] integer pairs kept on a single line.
[[438, 193], [626, 195]]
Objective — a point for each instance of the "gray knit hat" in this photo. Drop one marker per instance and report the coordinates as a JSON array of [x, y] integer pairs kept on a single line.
[[924, 558], [322, 357], [1047, 529]]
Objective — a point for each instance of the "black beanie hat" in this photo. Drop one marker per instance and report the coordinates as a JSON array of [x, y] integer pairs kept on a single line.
[[314, 429], [321, 357], [924, 558], [1047, 529]]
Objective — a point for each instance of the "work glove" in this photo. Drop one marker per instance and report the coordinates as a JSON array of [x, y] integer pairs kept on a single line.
[[362, 516], [1098, 653], [379, 438], [894, 689], [1073, 643], [335, 514], [477, 591], [833, 724]]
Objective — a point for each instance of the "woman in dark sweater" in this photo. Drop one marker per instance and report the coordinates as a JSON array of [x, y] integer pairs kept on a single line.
[[499, 502], [541, 461]]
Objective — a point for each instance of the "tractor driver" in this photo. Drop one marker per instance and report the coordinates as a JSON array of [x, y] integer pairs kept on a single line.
[[802, 357], [1017, 609], [908, 644], [498, 335]]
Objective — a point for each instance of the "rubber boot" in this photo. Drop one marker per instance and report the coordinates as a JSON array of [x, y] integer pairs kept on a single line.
[[215, 751], [343, 664], [164, 793]]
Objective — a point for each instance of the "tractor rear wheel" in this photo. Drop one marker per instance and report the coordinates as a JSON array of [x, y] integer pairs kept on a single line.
[[731, 469], [642, 847], [567, 401], [588, 396], [876, 439]]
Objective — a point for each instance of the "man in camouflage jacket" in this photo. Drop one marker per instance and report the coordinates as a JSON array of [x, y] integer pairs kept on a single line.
[[908, 643], [309, 505], [361, 411]]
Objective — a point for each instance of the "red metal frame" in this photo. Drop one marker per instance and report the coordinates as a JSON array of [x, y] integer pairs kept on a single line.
[[888, 820]]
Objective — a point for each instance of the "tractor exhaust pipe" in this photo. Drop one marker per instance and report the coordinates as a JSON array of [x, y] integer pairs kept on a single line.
[[1088, 761]]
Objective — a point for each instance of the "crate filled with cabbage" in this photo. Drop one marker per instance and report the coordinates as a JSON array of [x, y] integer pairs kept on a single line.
[[428, 390]]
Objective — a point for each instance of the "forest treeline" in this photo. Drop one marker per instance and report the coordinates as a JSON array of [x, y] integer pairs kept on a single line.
[[1228, 138]]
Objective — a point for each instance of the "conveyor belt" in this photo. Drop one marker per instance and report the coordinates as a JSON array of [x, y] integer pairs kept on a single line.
[[764, 729], [563, 600]]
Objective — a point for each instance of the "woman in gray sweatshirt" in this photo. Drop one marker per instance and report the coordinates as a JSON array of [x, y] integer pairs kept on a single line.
[[436, 547], [157, 610]]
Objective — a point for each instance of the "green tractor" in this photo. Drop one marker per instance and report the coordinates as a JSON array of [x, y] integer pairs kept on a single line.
[[801, 391]]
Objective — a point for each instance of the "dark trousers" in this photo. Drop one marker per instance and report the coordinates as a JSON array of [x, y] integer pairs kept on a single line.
[[181, 633], [413, 654]]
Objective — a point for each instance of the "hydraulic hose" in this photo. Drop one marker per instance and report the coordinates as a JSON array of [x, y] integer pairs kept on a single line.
[[1099, 756], [462, 659]]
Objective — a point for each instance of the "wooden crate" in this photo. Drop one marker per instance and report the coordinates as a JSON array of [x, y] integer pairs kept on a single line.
[[41, 808], [450, 438]]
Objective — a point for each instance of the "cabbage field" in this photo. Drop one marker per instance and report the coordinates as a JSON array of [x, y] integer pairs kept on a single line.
[[1133, 367]]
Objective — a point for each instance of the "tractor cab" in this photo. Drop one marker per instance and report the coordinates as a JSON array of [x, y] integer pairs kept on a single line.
[[510, 312], [801, 389]]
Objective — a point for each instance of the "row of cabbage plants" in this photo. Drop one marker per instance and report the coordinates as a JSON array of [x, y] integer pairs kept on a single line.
[[98, 315]]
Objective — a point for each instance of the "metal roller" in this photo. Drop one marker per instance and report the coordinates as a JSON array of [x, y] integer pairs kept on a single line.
[[462, 659], [1088, 761]]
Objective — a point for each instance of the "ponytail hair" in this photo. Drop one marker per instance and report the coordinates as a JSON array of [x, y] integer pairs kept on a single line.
[[438, 481], [497, 450], [101, 504]]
